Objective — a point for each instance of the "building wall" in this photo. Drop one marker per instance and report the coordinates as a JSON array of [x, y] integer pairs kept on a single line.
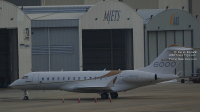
[[195, 8], [92, 2], [142, 4], [149, 4], [174, 4], [12, 17], [62, 2], [25, 2]]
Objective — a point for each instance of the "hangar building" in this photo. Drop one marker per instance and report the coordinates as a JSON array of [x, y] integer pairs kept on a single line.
[[107, 36], [86, 37], [15, 43], [163, 28]]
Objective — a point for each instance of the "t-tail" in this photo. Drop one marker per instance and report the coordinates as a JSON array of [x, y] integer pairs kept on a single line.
[[167, 61]]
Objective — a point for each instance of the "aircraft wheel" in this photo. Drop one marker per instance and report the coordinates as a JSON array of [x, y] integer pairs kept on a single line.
[[104, 95], [182, 80], [25, 98], [114, 95]]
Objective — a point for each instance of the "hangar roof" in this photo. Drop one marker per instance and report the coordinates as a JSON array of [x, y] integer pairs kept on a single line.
[[146, 13], [55, 12], [56, 9], [55, 16]]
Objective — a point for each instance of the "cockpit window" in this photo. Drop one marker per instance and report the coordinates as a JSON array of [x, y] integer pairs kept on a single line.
[[25, 77]]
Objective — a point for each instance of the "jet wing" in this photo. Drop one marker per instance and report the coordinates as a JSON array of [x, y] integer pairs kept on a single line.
[[92, 86]]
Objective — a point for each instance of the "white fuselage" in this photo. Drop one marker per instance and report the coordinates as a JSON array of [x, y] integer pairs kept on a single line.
[[89, 81]]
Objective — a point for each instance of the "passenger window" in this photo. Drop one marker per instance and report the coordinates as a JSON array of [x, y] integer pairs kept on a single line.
[[48, 78], [84, 78], [74, 78], [42, 78], [58, 78], [68, 78], [53, 78], [25, 77], [79, 78], [90, 78], [63, 78]]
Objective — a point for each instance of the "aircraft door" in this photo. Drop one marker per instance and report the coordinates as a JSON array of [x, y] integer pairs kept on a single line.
[[35, 78], [36, 81]]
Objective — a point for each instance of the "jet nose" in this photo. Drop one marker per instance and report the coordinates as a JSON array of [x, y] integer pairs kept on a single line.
[[13, 85]]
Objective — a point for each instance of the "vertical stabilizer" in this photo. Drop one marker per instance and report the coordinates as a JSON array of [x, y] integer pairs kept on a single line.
[[167, 61]]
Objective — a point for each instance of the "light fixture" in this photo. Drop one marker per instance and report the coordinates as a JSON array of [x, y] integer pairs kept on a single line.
[[167, 7], [182, 7], [96, 18], [128, 18], [151, 17]]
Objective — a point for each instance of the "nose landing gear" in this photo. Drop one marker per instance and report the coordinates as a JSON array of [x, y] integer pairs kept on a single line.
[[25, 95]]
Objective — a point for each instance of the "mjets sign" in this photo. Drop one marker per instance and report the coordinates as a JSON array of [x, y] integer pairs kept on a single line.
[[112, 15], [174, 20]]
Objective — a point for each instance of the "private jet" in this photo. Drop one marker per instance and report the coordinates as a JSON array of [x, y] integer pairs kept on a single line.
[[104, 82]]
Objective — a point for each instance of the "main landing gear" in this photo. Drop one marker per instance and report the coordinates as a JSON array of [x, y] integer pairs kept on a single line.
[[113, 95], [25, 95]]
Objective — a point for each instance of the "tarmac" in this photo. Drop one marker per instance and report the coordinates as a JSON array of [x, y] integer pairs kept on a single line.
[[163, 97]]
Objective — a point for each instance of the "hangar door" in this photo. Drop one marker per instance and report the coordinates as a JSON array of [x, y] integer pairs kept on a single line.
[[55, 49], [159, 40], [110, 49], [8, 56]]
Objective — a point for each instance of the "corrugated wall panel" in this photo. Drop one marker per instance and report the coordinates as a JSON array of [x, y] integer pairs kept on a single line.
[[152, 47], [39, 36], [187, 43], [55, 23], [40, 62], [161, 42], [65, 37], [170, 38], [179, 41]]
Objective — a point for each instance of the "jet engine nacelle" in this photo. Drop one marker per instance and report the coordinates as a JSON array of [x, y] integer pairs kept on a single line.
[[138, 76]]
